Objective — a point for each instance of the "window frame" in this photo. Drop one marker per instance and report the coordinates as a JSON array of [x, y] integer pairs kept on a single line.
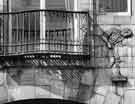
[[127, 13]]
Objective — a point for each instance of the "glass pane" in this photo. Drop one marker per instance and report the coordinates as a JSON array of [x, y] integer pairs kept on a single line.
[[19, 5], [113, 5], [55, 4]]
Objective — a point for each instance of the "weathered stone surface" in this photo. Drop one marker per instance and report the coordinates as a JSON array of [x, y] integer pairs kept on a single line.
[[2, 78], [97, 99], [3, 94], [129, 97], [88, 78], [112, 98]]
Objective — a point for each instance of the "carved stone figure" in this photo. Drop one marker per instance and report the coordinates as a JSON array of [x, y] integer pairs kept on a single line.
[[115, 36]]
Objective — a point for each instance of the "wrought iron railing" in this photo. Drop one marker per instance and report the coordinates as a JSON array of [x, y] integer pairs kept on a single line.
[[44, 31]]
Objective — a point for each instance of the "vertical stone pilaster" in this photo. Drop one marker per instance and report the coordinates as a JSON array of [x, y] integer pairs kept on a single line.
[[42, 25]]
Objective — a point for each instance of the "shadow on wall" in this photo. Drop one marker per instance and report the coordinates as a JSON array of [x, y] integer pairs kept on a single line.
[[100, 75]]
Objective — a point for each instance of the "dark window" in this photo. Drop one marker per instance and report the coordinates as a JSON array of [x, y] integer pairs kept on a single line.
[[55, 4], [113, 5]]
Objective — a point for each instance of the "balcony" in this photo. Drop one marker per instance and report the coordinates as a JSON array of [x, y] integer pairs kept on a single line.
[[44, 31], [45, 34]]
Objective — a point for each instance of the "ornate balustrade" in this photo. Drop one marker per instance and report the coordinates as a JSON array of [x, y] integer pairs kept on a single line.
[[44, 31], [46, 37]]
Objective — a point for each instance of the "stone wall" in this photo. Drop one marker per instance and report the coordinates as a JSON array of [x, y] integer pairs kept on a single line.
[[108, 93]]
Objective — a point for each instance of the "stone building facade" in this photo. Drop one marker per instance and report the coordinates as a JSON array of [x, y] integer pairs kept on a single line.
[[94, 85]]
